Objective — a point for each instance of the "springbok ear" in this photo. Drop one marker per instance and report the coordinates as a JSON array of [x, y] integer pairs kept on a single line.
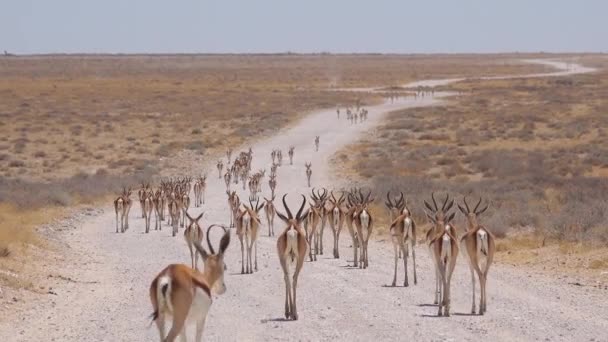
[[200, 216], [224, 242], [482, 210], [449, 206], [260, 207], [431, 218], [201, 250]]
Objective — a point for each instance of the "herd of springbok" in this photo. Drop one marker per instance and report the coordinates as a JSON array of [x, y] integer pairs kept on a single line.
[[185, 293]]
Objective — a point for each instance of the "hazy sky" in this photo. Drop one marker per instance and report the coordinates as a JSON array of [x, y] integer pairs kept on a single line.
[[45, 26]]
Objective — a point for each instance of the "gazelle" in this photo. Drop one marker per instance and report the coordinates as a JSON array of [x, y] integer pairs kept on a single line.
[[478, 243], [317, 143], [272, 183], [121, 206], [233, 204], [229, 154], [192, 234], [291, 152], [338, 113], [185, 294], [227, 178], [403, 235], [444, 250], [311, 222], [291, 247], [247, 226], [365, 225], [174, 208], [184, 205], [270, 212], [350, 216], [141, 195], [280, 157], [335, 213], [197, 193], [316, 216], [308, 172], [399, 207], [273, 156], [220, 167], [158, 203], [148, 207]]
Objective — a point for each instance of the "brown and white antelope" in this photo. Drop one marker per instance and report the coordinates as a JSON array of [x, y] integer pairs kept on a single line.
[[317, 143], [290, 153], [247, 227], [194, 233], [220, 167], [316, 215], [141, 194], [233, 204], [227, 178], [403, 234], [478, 244], [335, 214], [272, 183], [184, 295], [229, 154], [365, 225], [158, 205], [122, 204], [443, 246], [308, 172], [174, 213], [270, 212], [291, 247], [148, 206], [280, 157]]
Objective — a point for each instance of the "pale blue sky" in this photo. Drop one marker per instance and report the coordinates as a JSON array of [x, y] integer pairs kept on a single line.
[[206, 26]]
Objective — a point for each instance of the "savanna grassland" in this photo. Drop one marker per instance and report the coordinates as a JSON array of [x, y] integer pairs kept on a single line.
[[536, 149], [74, 129]]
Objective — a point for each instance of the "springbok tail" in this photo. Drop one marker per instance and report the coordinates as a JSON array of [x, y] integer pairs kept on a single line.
[[482, 241], [446, 247]]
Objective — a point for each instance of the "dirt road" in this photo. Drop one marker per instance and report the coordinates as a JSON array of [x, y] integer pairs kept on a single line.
[[103, 295]]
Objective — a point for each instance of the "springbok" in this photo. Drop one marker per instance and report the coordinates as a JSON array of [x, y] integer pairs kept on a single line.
[[308, 172], [141, 195], [197, 192], [338, 113], [273, 156], [227, 178], [174, 208], [148, 206], [316, 216], [158, 203], [335, 213], [352, 211], [272, 183], [185, 205], [291, 247], [291, 152], [247, 226], [478, 243], [185, 294], [317, 143], [365, 225], [270, 212], [220, 167], [280, 157], [121, 206], [229, 154], [403, 235], [192, 234], [443, 246], [233, 204]]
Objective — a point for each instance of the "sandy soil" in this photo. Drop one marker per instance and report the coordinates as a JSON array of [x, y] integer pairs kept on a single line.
[[102, 294]]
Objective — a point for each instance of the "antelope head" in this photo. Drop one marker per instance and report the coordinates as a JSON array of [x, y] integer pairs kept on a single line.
[[471, 215]]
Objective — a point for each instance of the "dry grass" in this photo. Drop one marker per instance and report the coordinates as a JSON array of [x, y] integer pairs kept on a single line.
[[533, 147]]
